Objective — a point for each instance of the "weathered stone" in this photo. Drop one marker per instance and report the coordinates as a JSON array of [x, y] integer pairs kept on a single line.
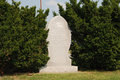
[[59, 38]]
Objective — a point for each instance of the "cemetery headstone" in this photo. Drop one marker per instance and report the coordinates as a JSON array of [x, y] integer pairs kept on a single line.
[[59, 38]]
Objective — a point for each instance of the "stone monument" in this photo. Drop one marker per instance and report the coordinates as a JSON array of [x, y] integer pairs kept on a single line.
[[59, 38]]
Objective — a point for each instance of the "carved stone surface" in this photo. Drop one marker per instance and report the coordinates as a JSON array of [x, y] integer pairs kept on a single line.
[[59, 38]]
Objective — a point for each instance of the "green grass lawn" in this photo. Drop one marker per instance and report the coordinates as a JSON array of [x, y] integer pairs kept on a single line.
[[89, 75]]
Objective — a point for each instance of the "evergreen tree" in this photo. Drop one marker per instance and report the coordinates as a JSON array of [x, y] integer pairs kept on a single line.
[[95, 40], [54, 13], [23, 45]]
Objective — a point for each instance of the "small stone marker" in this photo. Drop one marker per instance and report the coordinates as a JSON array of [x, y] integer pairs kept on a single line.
[[59, 38]]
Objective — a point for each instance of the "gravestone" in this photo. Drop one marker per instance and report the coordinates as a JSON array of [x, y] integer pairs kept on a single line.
[[59, 37]]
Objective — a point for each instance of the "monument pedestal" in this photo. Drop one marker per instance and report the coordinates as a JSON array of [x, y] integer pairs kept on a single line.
[[58, 69]]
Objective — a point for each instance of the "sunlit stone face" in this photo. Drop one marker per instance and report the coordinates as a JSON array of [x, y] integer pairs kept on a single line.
[[59, 38], [58, 35]]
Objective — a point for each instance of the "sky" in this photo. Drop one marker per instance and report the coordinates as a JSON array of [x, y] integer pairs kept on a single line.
[[51, 4]]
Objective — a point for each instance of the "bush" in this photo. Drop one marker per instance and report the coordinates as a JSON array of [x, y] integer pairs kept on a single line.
[[23, 45], [95, 33]]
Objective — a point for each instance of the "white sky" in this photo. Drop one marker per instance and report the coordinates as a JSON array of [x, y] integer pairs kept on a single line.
[[51, 4]]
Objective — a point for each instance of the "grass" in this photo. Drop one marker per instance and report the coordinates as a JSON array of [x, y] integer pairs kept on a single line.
[[91, 75]]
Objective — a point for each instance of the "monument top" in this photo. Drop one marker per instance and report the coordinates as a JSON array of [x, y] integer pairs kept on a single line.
[[57, 20], [59, 33]]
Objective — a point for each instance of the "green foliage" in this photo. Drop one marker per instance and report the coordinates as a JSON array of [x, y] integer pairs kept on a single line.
[[95, 33], [54, 13], [23, 45]]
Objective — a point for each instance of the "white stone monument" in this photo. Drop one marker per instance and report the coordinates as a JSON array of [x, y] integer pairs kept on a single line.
[[59, 38]]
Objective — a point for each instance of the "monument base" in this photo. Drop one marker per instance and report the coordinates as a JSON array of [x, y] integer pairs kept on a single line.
[[58, 69]]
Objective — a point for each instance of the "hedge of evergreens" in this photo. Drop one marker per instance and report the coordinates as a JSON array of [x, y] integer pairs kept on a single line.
[[23, 45], [95, 33]]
